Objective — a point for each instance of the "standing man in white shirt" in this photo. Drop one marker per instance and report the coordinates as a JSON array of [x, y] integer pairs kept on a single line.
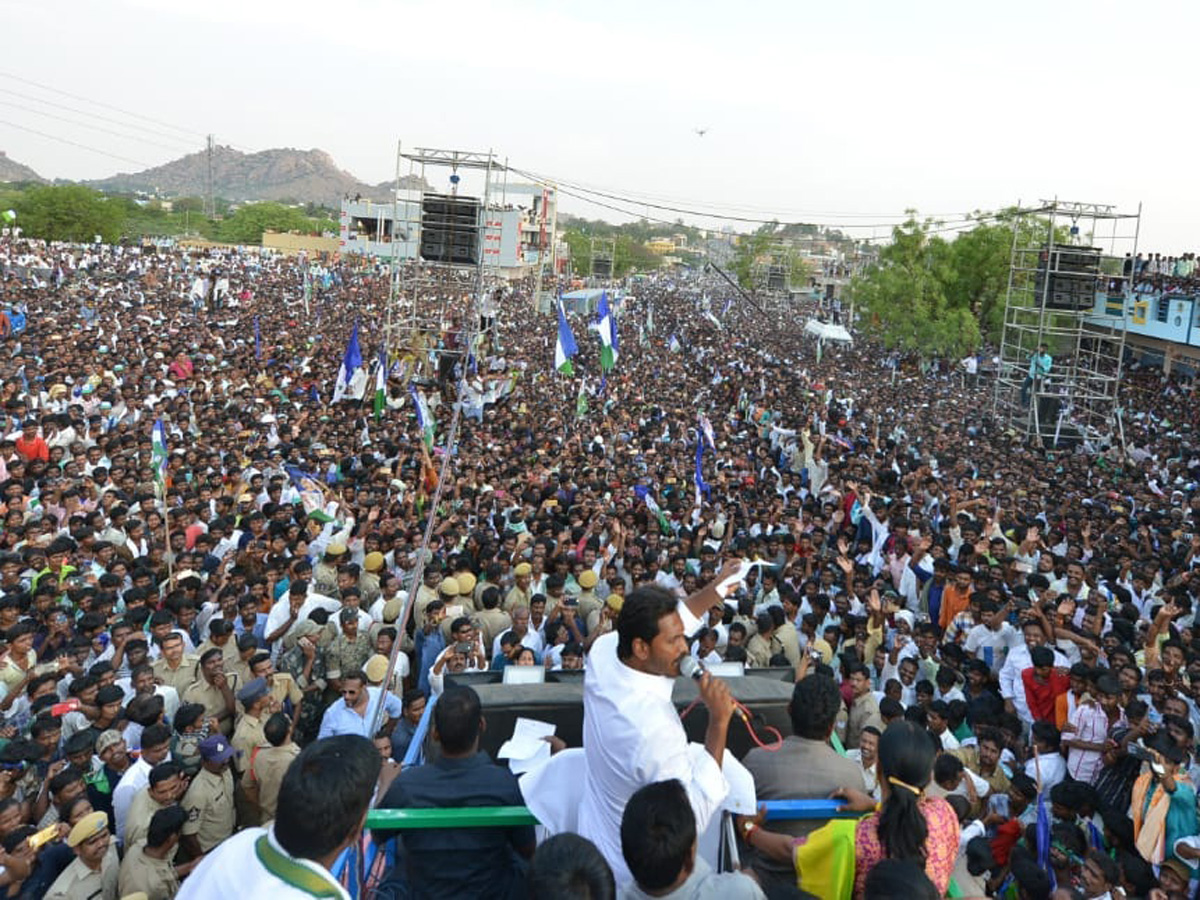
[[632, 734]]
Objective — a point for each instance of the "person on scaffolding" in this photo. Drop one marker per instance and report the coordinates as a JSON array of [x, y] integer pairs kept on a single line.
[[1039, 368]]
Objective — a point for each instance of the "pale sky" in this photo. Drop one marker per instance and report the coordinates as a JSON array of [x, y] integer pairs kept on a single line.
[[839, 113]]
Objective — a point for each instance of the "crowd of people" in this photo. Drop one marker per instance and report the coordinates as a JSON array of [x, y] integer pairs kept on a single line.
[[220, 621]]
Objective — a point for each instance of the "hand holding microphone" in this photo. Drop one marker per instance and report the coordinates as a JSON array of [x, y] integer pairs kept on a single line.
[[714, 692]]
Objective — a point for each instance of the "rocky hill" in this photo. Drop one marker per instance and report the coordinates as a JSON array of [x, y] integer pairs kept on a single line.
[[305, 176], [11, 170]]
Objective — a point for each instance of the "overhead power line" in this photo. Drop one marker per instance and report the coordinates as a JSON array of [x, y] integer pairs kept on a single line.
[[101, 128], [588, 195], [642, 197], [88, 147], [124, 112], [132, 126]]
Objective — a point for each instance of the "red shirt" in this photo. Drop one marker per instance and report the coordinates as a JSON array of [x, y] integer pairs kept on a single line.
[[1041, 697], [34, 449]]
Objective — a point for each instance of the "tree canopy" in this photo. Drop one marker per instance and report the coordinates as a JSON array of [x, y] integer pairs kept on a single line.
[[246, 226], [914, 297], [69, 213]]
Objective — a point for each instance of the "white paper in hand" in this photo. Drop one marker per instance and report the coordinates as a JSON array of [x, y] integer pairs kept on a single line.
[[528, 745]]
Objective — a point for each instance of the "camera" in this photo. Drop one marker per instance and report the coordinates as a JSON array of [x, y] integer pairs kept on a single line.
[[1137, 751]]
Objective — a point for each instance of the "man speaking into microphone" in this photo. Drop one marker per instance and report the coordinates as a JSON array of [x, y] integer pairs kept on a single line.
[[632, 734]]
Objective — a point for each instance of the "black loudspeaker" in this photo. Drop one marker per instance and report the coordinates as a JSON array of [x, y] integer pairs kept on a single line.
[[1073, 274], [776, 278], [562, 704], [602, 266], [450, 229], [829, 290], [1048, 408]]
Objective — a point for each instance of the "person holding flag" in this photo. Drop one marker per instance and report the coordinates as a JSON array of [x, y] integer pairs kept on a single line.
[[565, 347], [158, 455], [606, 325], [381, 384], [425, 420], [350, 381]]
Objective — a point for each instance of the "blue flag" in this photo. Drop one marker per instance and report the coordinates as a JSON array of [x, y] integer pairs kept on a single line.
[[565, 347], [257, 340], [1043, 838], [701, 487], [351, 362]]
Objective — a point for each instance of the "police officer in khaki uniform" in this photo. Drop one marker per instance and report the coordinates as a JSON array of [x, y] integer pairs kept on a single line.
[[269, 764], [256, 701], [214, 691], [285, 692], [325, 572], [209, 800], [492, 621], [220, 634], [369, 583], [519, 594], [247, 649], [427, 592], [93, 874], [466, 591], [588, 602], [165, 788], [149, 863], [175, 668]]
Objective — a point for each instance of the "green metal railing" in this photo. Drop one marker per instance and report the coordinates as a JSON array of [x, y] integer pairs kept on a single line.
[[466, 817]]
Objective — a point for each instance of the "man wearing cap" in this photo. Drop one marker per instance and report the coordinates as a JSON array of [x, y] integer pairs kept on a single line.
[[256, 701], [93, 874], [325, 572], [587, 601], [369, 581], [209, 800], [519, 594], [448, 593], [349, 650], [376, 671]]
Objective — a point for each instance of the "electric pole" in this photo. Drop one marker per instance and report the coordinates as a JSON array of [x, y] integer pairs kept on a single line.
[[210, 207]]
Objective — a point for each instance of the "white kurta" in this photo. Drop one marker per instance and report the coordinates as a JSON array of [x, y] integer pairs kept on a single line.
[[632, 736], [239, 868]]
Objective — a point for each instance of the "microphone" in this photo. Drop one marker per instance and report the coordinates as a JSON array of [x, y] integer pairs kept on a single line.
[[690, 667]]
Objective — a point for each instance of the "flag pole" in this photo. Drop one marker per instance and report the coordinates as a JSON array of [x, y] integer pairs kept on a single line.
[[160, 486]]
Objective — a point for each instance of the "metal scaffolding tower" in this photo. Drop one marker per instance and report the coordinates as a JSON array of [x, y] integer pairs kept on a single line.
[[1065, 293], [604, 261], [445, 256]]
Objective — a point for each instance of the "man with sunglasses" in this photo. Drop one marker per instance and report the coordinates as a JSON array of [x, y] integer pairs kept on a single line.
[[355, 712]]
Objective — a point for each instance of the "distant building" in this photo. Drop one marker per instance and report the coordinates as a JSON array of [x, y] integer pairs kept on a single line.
[[660, 246]]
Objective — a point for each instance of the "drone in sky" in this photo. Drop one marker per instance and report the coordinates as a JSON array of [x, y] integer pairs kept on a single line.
[[700, 132]]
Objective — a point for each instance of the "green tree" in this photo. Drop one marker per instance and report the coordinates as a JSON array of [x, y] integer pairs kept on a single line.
[[981, 259], [581, 251], [910, 295], [749, 248], [246, 226], [191, 205], [70, 213], [630, 255]]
